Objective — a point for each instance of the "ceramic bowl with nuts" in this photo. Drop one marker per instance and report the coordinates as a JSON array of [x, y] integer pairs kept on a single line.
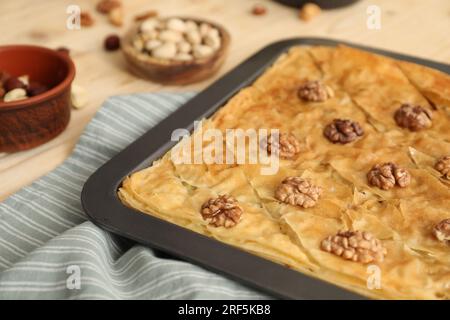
[[175, 50], [35, 102]]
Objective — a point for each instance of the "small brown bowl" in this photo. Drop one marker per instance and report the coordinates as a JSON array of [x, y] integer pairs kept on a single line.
[[27, 123], [175, 72]]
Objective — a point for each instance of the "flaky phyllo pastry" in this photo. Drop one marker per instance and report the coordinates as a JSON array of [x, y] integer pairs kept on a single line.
[[363, 183]]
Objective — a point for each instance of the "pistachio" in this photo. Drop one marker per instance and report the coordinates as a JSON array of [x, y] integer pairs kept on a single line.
[[170, 35], [178, 39], [194, 37], [184, 47], [213, 32], [204, 29], [138, 44], [167, 50], [202, 51], [191, 25], [148, 25], [176, 24], [15, 94], [150, 35], [212, 41], [152, 44]]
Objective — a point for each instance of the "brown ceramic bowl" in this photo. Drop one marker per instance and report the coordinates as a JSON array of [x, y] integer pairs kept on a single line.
[[170, 71], [33, 121]]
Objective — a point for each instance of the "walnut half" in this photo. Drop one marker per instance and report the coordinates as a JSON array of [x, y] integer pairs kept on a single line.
[[443, 166], [287, 145], [413, 117], [442, 231], [385, 176], [343, 131], [222, 211], [297, 191], [358, 246], [314, 91]]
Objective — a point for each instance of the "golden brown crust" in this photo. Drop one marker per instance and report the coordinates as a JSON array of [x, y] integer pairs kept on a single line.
[[367, 89]]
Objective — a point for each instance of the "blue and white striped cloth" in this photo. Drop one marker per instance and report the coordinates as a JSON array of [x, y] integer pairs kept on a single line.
[[49, 251]]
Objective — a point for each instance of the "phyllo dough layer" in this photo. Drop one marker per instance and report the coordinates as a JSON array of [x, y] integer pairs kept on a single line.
[[366, 88]]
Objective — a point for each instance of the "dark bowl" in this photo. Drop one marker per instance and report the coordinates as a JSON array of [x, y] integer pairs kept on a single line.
[[27, 123], [324, 4]]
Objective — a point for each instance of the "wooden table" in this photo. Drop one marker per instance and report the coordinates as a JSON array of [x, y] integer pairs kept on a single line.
[[414, 27]]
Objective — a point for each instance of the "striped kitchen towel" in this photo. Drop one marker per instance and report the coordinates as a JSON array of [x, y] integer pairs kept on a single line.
[[49, 251]]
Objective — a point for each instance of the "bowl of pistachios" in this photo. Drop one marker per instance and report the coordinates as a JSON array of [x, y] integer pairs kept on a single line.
[[35, 102], [175, 50]]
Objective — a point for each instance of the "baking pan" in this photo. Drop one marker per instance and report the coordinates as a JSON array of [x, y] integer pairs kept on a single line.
[[102, 205]]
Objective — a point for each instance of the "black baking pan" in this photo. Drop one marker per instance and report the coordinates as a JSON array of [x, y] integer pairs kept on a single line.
[[102, 205]]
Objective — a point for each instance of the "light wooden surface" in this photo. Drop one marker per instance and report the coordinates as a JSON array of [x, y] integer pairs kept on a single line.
[[414, 27]]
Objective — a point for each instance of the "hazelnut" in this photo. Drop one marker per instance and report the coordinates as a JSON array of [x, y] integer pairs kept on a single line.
[[86, 19], [3, 77], [112, 42], [115, 16], [13, 83], [64, 50], [105, 6], [259, 10], [36, 88], [309, 11]]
